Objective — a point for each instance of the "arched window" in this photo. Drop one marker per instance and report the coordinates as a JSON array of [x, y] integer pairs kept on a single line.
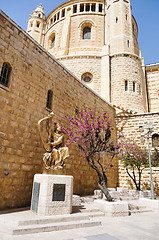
[[155, 140], [31, 24], [63, 13], [53, 42], [49, 99], [87, 77], [5, 74], [38, 24], [87, 33]]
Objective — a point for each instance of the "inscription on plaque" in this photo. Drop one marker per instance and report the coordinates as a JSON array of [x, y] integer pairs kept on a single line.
[[35, 197], [58, 192]]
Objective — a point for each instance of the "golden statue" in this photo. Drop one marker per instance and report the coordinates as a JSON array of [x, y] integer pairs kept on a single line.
[[56, 152]]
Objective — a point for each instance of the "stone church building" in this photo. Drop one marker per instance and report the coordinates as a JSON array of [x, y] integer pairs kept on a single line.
[[84, 52]]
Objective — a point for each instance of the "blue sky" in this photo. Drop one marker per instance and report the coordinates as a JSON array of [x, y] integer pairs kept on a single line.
[[146, 13]]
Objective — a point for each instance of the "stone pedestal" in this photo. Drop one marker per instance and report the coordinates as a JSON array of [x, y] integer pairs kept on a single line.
[[52, 194], [114, 209], [150, 203]]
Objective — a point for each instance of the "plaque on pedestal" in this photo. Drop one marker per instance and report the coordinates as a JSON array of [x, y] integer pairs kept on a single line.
[[52, 194]]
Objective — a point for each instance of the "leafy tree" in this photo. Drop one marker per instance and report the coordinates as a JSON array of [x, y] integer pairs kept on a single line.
[[91, 131], [135, 160]]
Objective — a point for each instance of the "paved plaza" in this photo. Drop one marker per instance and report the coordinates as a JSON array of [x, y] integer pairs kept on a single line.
[[143, 226]]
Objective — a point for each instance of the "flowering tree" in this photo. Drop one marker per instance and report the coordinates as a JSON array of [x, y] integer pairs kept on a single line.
[[92, 134], [135, 160]]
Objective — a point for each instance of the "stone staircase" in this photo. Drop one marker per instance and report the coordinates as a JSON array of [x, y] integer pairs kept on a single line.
[[26, 222], [84, 214], [135, 208]]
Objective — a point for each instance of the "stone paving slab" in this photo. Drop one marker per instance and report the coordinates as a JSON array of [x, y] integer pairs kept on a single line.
[[97, 237], [144, 226]]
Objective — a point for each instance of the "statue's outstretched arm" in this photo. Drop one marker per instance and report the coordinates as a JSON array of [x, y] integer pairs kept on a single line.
[[59, 141]]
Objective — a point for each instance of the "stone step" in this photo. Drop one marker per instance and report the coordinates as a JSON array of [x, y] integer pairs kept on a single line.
[[21, 230], [136, 211], [127, 198], [61, 218]]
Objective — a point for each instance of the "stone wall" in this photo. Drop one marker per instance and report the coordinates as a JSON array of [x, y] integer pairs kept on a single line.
[[90, 64], [68, 30], [152, 74], [125, 67], [130, 128], [23, 103]]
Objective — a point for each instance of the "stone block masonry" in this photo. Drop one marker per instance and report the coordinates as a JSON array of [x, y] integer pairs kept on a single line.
[[152, 74], [127, 68], [23, 103], [129, 125]]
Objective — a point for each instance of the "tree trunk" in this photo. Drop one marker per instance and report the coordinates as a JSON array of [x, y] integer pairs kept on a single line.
[[102, 184], [103, 187], [139, 185], [104, 190]]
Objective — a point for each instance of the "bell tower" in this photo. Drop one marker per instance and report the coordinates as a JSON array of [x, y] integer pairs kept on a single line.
[[126, 79], [36, 24]]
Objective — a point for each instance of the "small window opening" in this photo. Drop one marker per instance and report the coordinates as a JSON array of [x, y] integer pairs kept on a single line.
[[63, 13], [126, 85], [58, 16], [87, 33], [126, 17], [51, 21], [38, 24], [155, 140], [39, 15], [53, 42], [81, 7], [87, 77], [128, 42], [133, 27], [5, 74], [140, 89], [55, 18], [87, 7], [134, 87], [74, 8], [31, 25], [93, 7], [100, 7], [116, 19], [49, 99]]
